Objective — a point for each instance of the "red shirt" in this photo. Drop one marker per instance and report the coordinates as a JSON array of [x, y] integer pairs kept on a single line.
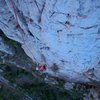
[[43, 68]]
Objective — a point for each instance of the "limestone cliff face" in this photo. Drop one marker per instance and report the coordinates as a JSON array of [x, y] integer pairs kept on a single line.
[[63, 34]]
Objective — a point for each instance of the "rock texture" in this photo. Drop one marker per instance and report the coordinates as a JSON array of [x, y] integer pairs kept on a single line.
[[20, 80], [63, 34]]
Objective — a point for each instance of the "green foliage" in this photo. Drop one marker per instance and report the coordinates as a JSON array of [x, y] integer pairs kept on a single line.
[[76, 95], [10, 75], [17, 46], [9, 41], [1, 98], [42, 90], [61, 83], [6, 95]]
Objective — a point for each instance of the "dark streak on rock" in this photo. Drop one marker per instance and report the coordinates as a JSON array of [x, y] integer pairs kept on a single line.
[[79, 34], [67, 22], [46, 48], [98, 38], [63, 61], [59, 31], [54, 67], [99, 63], [30, 33], [37, 38], [4, 24], [98, 31], [68, 15], [89, 27], [43, 58]]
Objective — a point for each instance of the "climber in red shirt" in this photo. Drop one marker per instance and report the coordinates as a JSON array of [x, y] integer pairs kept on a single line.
[[42, 67]]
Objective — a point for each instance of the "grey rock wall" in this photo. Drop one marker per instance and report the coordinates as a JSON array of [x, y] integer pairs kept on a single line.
[[63, 34]]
